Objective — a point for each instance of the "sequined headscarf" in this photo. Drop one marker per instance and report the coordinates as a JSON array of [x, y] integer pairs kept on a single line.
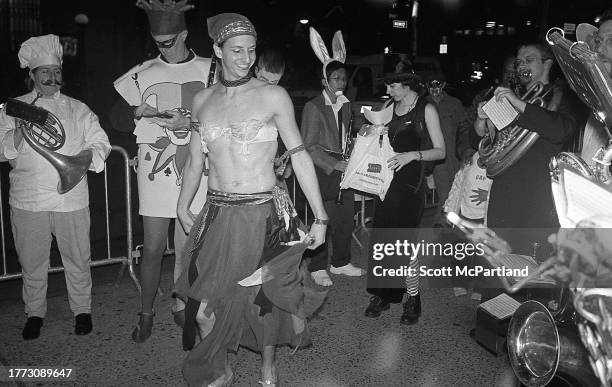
[[227, 25]]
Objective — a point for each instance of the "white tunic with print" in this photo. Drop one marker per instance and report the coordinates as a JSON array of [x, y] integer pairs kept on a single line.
[[475, 191], [161, 152]]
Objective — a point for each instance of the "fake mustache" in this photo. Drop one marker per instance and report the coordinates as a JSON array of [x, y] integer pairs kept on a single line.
[[51, 82]]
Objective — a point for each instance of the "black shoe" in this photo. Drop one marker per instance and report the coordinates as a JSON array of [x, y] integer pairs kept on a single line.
[[31, 330], [82, 324], [143, 330], [377, 305], [412, 310]]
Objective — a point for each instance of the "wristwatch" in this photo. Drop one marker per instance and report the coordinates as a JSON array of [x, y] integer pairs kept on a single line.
[[324, 222]]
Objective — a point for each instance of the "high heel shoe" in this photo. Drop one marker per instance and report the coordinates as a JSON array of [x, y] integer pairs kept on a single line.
[[143, 330]]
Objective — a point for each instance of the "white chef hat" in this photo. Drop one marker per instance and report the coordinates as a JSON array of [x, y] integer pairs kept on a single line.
[[41, 51]]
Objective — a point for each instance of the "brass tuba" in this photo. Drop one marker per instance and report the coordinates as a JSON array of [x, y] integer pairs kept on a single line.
[[603, 159], [540, 349], [43, 131], [570, 339], [500, 150], [575, 348]]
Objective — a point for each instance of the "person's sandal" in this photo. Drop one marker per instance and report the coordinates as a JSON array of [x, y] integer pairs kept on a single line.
[[269, 382], [143, 330]]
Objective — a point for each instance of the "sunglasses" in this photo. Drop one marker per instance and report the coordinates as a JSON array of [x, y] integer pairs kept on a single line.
[[166, 43], [527, 61]]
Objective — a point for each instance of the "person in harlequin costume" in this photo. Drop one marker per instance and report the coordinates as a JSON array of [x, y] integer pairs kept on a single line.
[[167, 82]]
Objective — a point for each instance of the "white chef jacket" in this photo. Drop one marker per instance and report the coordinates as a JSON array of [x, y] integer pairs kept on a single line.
[[33, 179]]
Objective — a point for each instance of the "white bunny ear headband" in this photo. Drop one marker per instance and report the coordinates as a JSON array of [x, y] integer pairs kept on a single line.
[[318, 46]]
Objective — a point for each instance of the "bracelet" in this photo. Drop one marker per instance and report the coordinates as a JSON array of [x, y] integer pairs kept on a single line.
[[420, 155], [324, 222]]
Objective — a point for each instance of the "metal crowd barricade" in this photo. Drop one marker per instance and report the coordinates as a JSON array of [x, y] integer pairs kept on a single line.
[[361, 219], [126, 260]]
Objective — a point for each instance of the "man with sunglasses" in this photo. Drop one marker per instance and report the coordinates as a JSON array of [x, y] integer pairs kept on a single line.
[[521, 207], [167, 82]]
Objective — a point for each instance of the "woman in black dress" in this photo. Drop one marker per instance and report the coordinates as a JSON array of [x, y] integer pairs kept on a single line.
[[415, 135]]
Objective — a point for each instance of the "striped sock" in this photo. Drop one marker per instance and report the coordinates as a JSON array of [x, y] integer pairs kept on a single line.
[[412, 282]]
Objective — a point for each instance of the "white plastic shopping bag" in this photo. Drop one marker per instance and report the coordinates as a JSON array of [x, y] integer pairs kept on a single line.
[[367, 169]]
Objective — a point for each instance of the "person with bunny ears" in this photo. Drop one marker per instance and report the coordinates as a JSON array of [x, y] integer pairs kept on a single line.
[[325, 129]]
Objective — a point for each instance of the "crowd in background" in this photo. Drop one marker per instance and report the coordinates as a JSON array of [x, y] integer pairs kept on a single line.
[[205, 145]]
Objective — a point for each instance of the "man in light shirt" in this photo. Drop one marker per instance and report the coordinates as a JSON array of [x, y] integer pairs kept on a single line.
[[38, 210]]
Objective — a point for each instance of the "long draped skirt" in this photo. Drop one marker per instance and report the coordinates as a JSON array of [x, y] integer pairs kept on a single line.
[[234, 237]]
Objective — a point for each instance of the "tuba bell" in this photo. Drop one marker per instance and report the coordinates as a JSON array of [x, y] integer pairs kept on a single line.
[[576, 344], [576, 348], [43, 131], [500, 150], [541, 349]]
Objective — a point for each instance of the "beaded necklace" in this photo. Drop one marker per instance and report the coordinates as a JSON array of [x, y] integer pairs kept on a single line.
[[237, 82]]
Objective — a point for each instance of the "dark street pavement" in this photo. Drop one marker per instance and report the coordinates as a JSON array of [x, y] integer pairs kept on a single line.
[[349, 349]]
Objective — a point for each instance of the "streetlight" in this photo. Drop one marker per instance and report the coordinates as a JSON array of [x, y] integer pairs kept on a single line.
[[81, 19], [415, 15]]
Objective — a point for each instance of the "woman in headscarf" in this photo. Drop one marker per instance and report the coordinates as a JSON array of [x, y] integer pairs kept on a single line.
[[416, 137], [243, 285]]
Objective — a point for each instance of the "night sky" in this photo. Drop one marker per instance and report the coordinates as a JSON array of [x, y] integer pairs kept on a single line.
[[116, 36]]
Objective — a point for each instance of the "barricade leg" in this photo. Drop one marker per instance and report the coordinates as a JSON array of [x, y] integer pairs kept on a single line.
[[126, 261], [129, 257]]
